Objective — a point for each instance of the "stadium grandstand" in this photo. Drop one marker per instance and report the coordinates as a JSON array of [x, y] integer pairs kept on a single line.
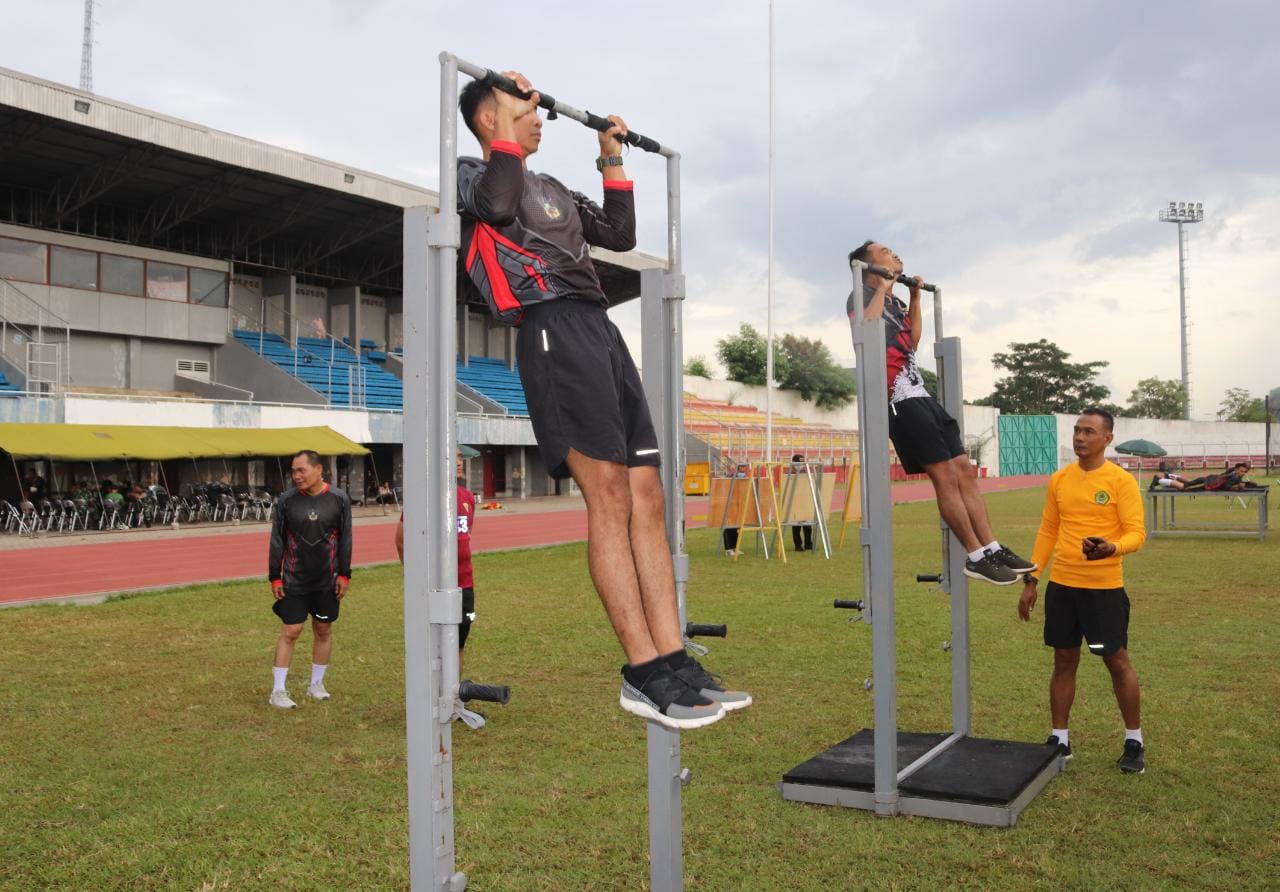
[[157, 272]]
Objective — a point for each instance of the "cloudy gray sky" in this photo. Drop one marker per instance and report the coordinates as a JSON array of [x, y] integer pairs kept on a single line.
[[1016, 152]]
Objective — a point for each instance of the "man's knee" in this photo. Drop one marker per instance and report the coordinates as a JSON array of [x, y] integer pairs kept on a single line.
[[1118, 663], [291, 631], [1065, 660], [322, 631], [646, 491]]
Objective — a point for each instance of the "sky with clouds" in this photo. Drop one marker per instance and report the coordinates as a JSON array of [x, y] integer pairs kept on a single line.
[[1016, 153]]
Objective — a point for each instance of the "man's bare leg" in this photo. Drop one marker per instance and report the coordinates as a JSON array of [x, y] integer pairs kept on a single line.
[[652, 554], [945, 477], [974, 504], [1062, 685], [1124, 681], [606, 488]]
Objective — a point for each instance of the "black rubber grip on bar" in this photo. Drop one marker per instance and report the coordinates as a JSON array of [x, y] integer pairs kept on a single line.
[[841, 604], [900, 277], [928, 577], [491, 693], [705, 630]]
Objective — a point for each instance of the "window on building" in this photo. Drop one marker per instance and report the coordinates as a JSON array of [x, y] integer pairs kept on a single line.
[[73, 268], [22, 260], [122, 275], [166, 281], [208, 288]]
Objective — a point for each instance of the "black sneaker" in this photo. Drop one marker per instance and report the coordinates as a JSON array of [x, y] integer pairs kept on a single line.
[[1064, 750], [660, 696], [1131, 761], [989, 569], [1006, 557], [690, 671]]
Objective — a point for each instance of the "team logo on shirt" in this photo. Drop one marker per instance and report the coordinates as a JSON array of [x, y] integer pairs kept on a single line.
[[1101, 497], [551, 210], [313, 515]]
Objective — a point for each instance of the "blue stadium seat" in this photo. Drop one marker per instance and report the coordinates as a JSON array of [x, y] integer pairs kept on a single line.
[[7, 387]]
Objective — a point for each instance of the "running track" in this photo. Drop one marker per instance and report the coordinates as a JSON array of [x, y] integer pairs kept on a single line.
[[83, 571]]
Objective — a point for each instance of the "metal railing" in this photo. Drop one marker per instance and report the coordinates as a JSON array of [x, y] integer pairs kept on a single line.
[[45, 364], [290, 329]]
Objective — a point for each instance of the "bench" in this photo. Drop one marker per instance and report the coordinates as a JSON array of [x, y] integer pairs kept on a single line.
[[1162, 513]]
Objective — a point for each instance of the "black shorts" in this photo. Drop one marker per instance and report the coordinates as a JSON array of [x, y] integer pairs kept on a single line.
[[582, 387], [923, 433], [293, 608], [468, 615], [1099, 615]]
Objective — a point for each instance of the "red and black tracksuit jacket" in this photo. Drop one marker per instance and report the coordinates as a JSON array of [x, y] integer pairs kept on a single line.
[[310, 540], [525, 236]]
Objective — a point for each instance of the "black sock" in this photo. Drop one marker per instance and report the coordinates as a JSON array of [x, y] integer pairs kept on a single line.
[[676, 658], [637, 673]]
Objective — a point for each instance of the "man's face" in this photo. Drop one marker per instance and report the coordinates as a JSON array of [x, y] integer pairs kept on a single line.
[[305, 475], [529, 131], [1090, 436], [459, 469], [879, 255]]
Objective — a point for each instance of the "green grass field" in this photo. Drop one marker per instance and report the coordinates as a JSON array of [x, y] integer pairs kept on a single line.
[[137, 750]]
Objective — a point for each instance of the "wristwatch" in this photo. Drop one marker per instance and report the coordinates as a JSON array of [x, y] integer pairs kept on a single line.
[[1029, 579], [609, 161]]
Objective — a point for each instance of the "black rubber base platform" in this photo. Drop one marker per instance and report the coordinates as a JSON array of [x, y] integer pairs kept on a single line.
[[988, 772]]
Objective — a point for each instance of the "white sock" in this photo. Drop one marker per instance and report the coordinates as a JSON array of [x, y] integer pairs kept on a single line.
[[278, 673], [317, 673], [991, 547], [1061, 734], [978, 555], [1135, 734]]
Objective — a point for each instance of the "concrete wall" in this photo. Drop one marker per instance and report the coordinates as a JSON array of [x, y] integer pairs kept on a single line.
[[237, 365], [373, 320], [101, 360]]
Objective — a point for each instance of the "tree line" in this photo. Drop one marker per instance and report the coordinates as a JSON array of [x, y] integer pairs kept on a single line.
[[1040, 379]]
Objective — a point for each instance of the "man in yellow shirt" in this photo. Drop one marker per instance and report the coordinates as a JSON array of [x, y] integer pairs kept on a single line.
[[1092, 517]]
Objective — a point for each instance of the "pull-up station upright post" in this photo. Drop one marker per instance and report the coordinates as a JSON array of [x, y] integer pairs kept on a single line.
[[949, 775], [433, 601]]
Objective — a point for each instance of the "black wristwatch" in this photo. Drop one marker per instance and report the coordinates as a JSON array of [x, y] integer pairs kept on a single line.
[[609, 161], [1029, 579]]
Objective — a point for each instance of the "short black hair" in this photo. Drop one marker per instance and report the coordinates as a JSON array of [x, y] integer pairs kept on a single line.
[[1103, 414], [312, 457], [862, 252], [473, 94]]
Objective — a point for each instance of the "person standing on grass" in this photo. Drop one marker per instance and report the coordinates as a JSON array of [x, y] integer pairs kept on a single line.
[[926, 438], [1092, 518], [309, 565], [525, 248]]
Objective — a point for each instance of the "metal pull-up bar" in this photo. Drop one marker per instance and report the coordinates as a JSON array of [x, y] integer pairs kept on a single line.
[[555, 108], [900, 277]]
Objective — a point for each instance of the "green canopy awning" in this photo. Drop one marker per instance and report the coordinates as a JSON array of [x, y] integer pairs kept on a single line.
[[101, 442]]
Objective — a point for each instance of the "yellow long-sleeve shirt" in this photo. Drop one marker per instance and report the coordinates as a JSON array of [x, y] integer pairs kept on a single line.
[[1103, 502]]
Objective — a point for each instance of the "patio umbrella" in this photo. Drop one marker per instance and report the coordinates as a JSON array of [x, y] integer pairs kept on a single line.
[[1142, 449]]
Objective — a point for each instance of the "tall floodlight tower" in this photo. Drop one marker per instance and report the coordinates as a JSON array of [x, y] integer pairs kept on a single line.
[[1180, 212], [86, 50]]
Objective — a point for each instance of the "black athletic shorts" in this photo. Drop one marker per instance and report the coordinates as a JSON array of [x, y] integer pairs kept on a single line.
[[582, 388], [923, 433], [468, 614], [1099, 615], [293, 608]]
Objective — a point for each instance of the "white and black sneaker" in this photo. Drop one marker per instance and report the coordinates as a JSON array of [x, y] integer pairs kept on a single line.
[[690, 671], [654, 692], [1064, 749], [282, 700], [1017, 564], [989, 569]]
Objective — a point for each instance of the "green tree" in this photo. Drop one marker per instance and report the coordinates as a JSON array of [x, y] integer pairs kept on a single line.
[[1042, 382], [697, 367], [1274, 396], [930, 381], [1157, 398], [744, 357], [1238, 405], [810, 370]]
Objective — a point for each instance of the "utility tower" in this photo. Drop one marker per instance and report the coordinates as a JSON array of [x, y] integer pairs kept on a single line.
[[1180, 212], [86, 50]]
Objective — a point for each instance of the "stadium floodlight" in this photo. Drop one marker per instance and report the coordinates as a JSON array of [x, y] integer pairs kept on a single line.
[[1180, 212]]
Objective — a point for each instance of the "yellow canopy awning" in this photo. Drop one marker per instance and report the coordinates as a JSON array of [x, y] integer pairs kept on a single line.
[[101, 442]]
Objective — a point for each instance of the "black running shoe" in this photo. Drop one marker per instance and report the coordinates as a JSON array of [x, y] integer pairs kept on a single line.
[[1064, 750], [660, 696], [690, 671], [988, 568], [1131, 761], [1018, 565]]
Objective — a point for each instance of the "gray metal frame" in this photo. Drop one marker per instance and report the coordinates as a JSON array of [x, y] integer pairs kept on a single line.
[[1162, 514], [433, 600], [876, 537]]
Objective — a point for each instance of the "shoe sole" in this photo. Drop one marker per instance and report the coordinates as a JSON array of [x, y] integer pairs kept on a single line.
[[283, 706], [973, 575], [311, 696], [728, 705], [1142, 770], [646, 711]]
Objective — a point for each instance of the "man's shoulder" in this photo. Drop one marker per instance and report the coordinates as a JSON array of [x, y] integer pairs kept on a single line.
[[340, 494], [289, 493]]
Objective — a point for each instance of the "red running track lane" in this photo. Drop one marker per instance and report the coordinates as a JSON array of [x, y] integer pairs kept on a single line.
[[83, 570]]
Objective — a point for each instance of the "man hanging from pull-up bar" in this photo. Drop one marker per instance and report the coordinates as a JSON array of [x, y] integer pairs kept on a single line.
[[925, 437], [525, 241]]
